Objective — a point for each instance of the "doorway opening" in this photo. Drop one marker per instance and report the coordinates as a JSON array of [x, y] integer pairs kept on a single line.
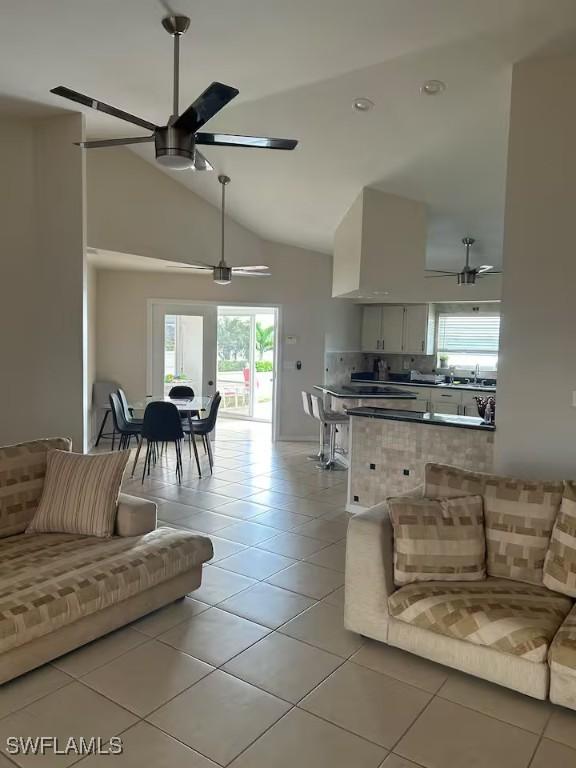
[[246, 372]]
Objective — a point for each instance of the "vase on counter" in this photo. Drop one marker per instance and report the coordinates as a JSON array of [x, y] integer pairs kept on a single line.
[[486, 408]]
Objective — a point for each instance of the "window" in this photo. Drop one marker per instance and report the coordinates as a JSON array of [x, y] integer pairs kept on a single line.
[[469, 340]]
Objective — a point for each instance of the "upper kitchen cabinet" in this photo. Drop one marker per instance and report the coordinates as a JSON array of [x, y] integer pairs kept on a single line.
[[398, 329]]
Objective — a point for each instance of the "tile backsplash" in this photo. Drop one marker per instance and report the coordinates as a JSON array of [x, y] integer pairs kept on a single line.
[[339, 366]]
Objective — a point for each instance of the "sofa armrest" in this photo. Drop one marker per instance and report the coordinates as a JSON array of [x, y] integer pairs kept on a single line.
[[370, 570], [135, 516]]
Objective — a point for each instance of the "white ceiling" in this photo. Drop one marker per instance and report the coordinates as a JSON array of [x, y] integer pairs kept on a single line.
[[298, 66]]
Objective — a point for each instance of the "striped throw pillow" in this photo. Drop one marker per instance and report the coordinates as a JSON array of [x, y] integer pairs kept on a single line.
[[560, 562], [519, 517], [80, 493], [438, 539]]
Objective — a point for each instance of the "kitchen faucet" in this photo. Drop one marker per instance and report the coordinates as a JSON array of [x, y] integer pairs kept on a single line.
[[476, 373]]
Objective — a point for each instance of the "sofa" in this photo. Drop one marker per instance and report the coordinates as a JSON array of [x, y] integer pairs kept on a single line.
[[59, 591], [509, 627]]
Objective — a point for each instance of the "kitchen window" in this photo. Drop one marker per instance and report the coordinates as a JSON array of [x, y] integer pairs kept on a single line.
[[465, 341]]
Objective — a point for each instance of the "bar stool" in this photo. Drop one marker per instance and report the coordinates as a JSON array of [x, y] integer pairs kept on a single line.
[[331, 419], [307, 405]]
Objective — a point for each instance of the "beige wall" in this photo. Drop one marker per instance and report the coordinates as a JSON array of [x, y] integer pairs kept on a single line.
[[91, 330], [42, 279], [134, 208], [536, 432]]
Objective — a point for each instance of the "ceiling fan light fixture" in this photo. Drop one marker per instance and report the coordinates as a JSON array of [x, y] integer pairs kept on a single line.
[[222, 275]]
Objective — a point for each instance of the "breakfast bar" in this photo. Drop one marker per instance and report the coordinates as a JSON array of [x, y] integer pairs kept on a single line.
[[389, 449]]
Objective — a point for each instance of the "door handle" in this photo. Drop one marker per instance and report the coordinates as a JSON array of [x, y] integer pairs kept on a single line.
[[210, 383]]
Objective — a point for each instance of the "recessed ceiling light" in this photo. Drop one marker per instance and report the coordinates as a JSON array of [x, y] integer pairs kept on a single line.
[[432, 87], [362, 104]]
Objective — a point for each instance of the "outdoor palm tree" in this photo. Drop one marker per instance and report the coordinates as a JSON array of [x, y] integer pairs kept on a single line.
[[264, 339]]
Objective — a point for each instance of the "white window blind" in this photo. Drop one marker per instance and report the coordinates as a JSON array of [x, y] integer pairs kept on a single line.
[[468, 333]]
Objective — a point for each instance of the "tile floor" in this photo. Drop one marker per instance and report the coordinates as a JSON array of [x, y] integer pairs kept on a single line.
[[255, 669]]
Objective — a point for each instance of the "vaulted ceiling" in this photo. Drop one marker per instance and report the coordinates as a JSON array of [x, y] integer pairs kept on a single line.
[[298, 66]]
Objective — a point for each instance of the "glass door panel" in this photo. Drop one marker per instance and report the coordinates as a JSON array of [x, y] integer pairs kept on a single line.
[[235, 363]]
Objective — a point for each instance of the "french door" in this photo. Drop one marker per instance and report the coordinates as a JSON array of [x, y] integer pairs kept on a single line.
[[182, 347]]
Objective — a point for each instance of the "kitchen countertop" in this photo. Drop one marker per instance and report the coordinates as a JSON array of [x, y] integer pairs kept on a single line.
[[377, 382], [365, 392], [417, 417]]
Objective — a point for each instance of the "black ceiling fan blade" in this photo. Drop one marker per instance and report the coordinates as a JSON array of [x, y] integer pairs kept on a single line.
[[211, 101], [201, 163], [114, 142], [88, 101], [231, 140]]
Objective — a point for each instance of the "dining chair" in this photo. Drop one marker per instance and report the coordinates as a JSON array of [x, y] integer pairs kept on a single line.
[[101, 391], [128, 412], [204, 428], [162, 424], [122, 426], [183, 392]]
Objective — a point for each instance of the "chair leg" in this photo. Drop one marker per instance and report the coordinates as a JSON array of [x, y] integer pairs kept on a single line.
[[209, 451], [178, 448], [146, 460], [100, 432], [193, 441], [140, 441]]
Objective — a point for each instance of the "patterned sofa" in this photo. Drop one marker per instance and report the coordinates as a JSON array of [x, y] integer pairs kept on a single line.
[[59, 591], [509, 628]]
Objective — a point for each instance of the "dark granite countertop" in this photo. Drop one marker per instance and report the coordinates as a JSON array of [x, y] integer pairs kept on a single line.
[[355, 392], [417, 417], [387, 382]]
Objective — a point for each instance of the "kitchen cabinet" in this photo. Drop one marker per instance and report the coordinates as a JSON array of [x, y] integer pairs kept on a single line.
[[397, 329]]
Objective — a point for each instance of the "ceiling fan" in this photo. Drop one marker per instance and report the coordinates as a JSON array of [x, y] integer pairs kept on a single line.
[[221, 272], [176, 141], [468, 275]]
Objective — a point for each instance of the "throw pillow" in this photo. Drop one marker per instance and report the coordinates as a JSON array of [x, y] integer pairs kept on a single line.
[[518, 514], [560, 563], [438, 539], [80, 494]]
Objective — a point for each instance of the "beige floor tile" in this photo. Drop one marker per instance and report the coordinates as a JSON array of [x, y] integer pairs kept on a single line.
[[208, 500], [172, 511], [99, 652], [307, 507], [256, 563], [447, 735], [224, 548], [322, 625], [333, 557], [562, 726], [550, 754], [307, 579], [395, 761], [206, 522], [165, 618], [237, 490], [283, 666], [219, 716], [404, 666], [281, 519], [145, 746], [267, 605], [25, 689], [300, 739], [367, 703], [214, 636], [248, 533], [325, 530], [270, 498], [217, 585], [292, 545], [336, 597], [147, 677], [73, 710], [210, 483], [496, 701], [5, 763], [242, 509]]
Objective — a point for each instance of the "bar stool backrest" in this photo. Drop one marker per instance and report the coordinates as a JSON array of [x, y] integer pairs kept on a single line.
[[318, 408], [307, 403]]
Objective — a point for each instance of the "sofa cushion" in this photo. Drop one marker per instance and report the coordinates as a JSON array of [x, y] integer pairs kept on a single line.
[[22, 470], [519, 619], [518, 516], [560, 562], [50, 580], [80, 493], [563, 649], [438, 539]]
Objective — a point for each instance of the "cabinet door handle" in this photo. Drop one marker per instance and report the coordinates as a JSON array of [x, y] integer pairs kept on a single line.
[[382, 343], [378, 344], [445, 395]]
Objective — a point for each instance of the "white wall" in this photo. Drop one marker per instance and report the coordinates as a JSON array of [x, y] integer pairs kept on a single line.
[[42, 279], [93, 416], [134, 208], [536, 422]]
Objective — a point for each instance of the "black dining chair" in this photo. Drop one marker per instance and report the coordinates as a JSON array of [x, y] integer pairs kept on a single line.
[[162, 424], [128, 412], [204, 428], [184, 392], [121, 425]]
